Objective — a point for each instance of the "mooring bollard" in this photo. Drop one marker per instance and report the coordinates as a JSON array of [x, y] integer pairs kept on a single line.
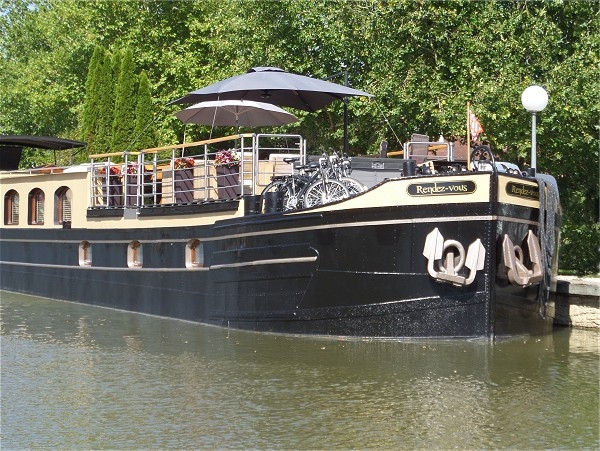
[[409, 168], [252, 204], [273, 202]]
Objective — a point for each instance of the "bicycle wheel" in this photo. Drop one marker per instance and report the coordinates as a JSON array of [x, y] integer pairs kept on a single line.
[[319, 193], [291, 188], [353, 185], [290, 201], [276, 185]]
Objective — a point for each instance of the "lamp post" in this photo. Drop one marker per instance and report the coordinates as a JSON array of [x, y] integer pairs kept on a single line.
[[345, 74], [534, 100]]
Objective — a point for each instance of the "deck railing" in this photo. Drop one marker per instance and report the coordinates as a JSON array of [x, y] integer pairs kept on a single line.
[[188, 173]]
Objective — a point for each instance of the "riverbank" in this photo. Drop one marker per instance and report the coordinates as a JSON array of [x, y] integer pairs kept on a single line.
[[577, 302]]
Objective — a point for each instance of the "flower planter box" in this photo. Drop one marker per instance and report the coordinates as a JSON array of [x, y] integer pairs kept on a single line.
[[184, 185], [228, 182], [114, 198], [204, 182], [132, 193]]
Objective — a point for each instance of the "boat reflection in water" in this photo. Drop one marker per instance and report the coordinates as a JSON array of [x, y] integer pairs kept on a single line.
[[75, 376]]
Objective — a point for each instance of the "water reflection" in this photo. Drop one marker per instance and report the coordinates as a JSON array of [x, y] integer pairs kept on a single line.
[[82, 377]]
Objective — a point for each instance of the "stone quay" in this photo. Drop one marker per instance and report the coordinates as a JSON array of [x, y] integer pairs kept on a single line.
[[577, 302]]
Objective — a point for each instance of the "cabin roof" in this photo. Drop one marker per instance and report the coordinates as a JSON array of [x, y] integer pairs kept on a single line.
[[39, 142], [11, 147]]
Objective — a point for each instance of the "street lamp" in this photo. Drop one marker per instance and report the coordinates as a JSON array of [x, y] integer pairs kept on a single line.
[[534, 100]]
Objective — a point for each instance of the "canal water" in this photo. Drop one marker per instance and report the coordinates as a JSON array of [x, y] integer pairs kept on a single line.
[[78, 377]]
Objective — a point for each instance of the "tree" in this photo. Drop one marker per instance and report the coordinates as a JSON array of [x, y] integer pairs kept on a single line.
[[125, 104], [144, 136], [102, 142], [422, 60], [43, 65], [89, 117]]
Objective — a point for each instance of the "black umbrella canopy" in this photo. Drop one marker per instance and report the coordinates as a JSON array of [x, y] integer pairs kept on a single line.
[[276, 86]]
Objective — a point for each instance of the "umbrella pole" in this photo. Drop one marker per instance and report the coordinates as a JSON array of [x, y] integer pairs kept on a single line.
[[213, 122], [345, 114]]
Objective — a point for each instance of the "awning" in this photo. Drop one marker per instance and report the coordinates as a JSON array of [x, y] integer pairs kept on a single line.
[[11, 147]]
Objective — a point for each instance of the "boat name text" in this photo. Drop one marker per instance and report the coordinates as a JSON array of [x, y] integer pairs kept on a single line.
[[522, 190], [441, 188]]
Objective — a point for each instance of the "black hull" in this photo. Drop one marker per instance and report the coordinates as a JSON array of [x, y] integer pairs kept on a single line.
[[353, 272]]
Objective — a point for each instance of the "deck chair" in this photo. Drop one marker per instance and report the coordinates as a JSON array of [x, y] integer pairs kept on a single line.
[[428, 150], [418, 152]]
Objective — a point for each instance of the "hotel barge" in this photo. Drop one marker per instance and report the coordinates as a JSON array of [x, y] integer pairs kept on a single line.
[[432, 248]]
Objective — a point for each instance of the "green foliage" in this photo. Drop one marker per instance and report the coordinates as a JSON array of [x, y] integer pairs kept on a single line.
[[423, 60], [580, 248], [43, 64], [117, 113], [115, 63], [144, 136], [125, 104], [105, 108], [89, 117]]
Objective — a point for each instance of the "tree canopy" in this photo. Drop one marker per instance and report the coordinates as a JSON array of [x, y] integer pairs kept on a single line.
[[423, 61]]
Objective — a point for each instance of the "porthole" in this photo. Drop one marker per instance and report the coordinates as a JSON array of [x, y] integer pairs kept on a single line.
[[194, 254], [135, 255], [85, 253]]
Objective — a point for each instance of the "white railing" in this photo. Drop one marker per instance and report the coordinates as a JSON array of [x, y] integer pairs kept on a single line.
[[188, 173]]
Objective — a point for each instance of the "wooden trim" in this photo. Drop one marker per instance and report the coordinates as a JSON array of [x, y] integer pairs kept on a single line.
[[198, 143], [395, 153]]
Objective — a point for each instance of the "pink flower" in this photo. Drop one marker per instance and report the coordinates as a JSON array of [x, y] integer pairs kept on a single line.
[[132, 168], [227, 158]]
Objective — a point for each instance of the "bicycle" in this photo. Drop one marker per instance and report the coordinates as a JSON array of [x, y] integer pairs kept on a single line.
[[340, 169], [309, 187]]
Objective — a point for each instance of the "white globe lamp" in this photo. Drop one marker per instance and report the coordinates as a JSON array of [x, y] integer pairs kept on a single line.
[[534, 100]]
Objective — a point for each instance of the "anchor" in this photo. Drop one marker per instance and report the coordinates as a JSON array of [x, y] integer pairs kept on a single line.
[[518, 274], [442, 254]]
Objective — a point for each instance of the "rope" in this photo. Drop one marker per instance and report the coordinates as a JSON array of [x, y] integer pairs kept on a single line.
[[132, 142], [387, 122]]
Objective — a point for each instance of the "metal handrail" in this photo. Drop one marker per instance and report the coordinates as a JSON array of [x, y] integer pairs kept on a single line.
[[431, 145], [158, 181]]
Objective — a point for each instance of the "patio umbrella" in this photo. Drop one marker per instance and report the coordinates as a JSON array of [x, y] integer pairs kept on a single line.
[[235, 113], [275, 86]]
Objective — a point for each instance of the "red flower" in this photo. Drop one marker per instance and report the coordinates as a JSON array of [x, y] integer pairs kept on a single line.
[[183, 162], [113, 170]]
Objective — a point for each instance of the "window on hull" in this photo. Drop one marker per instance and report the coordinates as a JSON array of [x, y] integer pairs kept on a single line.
[[11, 208], [36, 207], [63, 200]]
